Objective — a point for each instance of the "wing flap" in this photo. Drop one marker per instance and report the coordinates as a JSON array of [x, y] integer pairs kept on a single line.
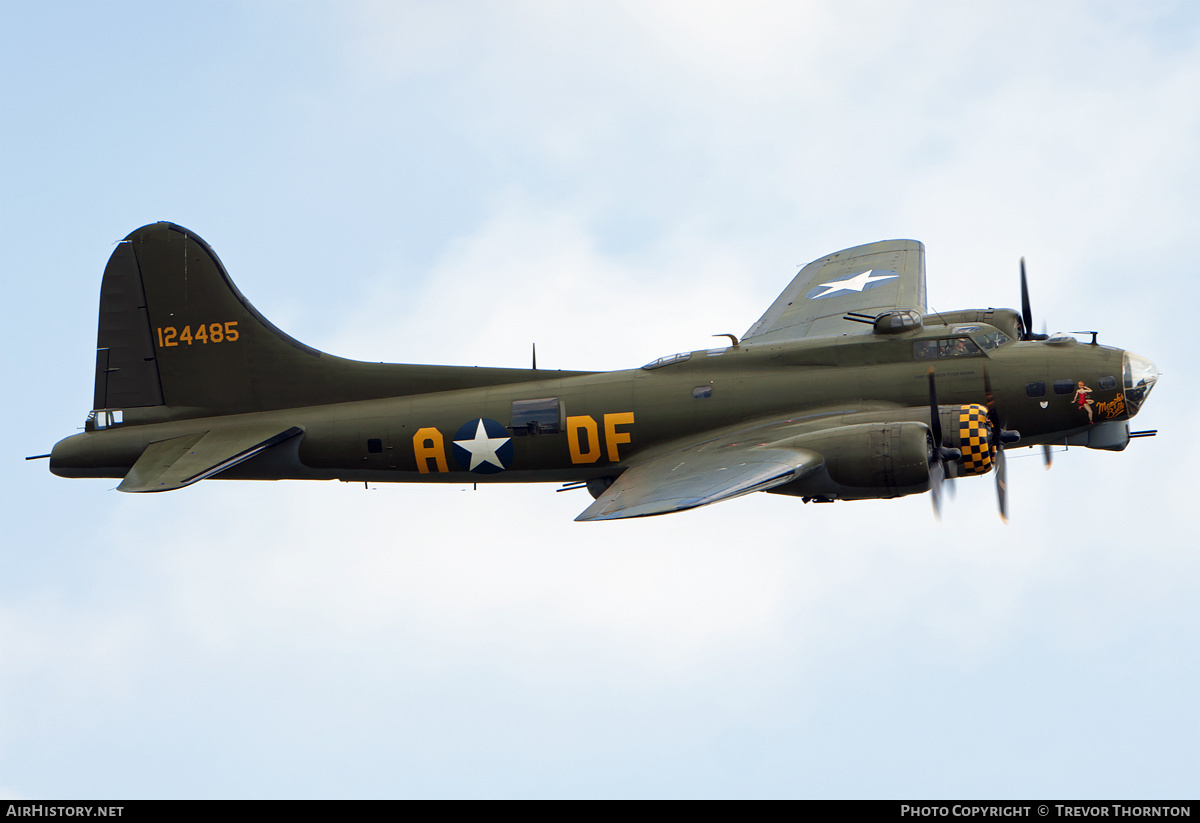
[[870, 279], [190, 458], [698, 475]]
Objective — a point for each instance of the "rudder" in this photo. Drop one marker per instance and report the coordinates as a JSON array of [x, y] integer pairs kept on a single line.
[[126, 365]]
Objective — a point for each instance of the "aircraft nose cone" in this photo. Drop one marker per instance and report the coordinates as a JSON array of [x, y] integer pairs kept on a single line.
[[1140, 376]]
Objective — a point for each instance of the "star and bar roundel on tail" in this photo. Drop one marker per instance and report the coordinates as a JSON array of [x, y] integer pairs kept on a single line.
[[868, 279]]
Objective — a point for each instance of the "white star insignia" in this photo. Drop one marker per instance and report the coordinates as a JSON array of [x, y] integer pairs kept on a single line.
[[483, 448], [856, 283]]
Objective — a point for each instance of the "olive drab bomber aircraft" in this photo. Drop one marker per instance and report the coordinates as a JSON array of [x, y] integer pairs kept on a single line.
[[847, 388]]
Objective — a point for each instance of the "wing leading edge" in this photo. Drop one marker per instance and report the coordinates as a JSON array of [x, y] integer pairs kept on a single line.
[[870, 279]]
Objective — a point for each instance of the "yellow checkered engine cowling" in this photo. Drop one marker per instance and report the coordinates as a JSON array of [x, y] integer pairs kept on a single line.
[[974, 439]]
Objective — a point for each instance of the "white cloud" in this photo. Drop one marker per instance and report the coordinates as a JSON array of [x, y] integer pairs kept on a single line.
[[536, 276]]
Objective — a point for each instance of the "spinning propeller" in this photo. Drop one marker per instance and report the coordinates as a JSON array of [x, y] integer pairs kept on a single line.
[[939, 454], [999, 437]]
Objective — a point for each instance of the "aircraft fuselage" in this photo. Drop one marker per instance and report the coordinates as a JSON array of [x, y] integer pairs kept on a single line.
[[601, 419]]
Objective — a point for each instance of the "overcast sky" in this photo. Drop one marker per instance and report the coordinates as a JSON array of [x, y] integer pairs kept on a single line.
[[447, 183]]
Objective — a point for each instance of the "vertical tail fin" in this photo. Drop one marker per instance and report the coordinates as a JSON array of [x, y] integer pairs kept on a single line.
[[174, 330], [178, 339]]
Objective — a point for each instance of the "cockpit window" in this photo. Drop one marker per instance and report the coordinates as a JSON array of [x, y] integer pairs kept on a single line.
[[945, 347], [991, 339], [668, 360], [957, 347]]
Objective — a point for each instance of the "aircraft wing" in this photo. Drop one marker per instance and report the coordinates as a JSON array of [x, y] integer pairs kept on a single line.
[[870, 279], [703, 471], [190, 458]]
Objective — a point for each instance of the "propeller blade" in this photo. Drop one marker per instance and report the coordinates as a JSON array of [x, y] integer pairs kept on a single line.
[[937, 469], [1026, 310], [935, 424], [1047, 455], [1002, 483], [935, 419], [937, 474], [1027, 332], [999, 437]]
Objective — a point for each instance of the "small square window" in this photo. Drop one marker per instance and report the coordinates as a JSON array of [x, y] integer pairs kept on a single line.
[[375, 445], [1108, 382], [702, 392], [1064, 386], [1035, 389]]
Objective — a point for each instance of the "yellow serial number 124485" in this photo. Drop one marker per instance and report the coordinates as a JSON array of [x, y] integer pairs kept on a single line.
[[211, 333]]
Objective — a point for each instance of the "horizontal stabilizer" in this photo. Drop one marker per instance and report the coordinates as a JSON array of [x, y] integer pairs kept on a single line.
[[701, 474], [190, 458]]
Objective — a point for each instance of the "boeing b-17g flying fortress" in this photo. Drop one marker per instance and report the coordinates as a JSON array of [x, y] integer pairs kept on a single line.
[[847, 388]]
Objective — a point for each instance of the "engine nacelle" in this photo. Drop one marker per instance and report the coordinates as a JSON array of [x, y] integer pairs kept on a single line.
[[880, 459]]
